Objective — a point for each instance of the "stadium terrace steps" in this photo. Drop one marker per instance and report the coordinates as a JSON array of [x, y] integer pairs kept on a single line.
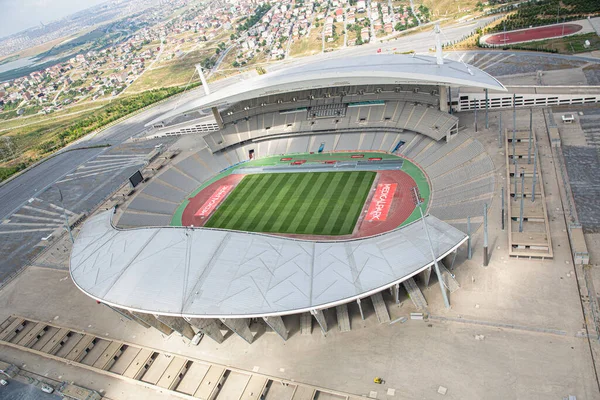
[[158, 190], [456, 158], [461, 173], [129, 219], [416, 147], [471, 190], [458, 210], [480, 166], [192, 167], [141, 203], [439, 150], [394, 115]]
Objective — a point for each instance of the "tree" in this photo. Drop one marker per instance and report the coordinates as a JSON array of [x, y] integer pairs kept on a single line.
[[235, 64]]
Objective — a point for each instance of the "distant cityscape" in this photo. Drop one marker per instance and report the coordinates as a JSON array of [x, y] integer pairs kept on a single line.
[[130, 36]]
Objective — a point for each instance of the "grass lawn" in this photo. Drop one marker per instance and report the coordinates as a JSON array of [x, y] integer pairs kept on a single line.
[[176, 72], [308, 45], [566, 45], [317, 203]]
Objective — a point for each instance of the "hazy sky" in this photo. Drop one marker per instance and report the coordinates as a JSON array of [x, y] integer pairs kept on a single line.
[[17, 15]]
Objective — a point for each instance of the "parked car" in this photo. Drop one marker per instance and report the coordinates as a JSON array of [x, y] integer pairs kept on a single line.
[[47, 388], [3, 382]]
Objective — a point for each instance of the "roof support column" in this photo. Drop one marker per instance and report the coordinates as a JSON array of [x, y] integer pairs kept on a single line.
[[343, 318], [381, 310], [203, 79], [209, 327], [276, 323], [362, 314], [320, 317], [153, 322], [178, 324], [127, 314], [425, 275], [397, 293], [240, 327], [444, 100], [217, 116], [305, 324]]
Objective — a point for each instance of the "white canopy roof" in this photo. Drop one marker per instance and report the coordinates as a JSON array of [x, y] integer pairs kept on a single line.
[[225, 274], [380, 69]]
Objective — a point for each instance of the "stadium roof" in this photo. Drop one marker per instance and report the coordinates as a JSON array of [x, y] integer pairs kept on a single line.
[[380, 69], [226, 274]]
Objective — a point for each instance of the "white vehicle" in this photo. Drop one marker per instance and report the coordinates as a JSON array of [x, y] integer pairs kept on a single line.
[[47, 388], [197, 338], [3, 382]]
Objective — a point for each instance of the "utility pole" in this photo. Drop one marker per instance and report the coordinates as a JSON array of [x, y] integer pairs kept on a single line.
[[534, 174], [485, 237], [522, 200], [514, 138], [469, 251], [500, 132], [516, 175], [502, 197], [65, 214], [530, 135], [487, 125]]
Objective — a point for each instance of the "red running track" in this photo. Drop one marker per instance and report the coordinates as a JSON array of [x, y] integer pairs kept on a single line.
[[543, 32]]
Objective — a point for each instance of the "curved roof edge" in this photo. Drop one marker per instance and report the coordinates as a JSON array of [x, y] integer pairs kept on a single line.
[[209, 273], [380, 69]]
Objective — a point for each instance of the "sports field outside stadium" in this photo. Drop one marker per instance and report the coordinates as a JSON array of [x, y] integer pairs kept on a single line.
[[311, 203]]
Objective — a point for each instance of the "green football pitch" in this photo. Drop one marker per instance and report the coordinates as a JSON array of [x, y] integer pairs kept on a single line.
[[311, 203]]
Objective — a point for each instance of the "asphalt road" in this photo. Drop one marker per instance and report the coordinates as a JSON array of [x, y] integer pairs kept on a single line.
[[30, 208], [17, 192], [36, 180], [16, 390]]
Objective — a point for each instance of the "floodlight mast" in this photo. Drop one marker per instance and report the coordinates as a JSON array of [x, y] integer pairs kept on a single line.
[[435, 263], [67, 225], [203, 79], [439, 58]]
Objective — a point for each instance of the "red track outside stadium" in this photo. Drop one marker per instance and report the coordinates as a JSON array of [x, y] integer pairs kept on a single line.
[[525, 35]]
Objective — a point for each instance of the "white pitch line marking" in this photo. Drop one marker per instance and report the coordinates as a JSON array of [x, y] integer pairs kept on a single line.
[[61, 209], [103, 160], [102, 164], [41, 211], [121, 155], [96, 173], [499, 61], [99, 170], [56, 225], [491, 60], [37, 218], [26, 231], [93, 167]]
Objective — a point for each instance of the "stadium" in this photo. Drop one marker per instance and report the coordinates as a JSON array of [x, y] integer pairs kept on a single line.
[[317, 186]]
